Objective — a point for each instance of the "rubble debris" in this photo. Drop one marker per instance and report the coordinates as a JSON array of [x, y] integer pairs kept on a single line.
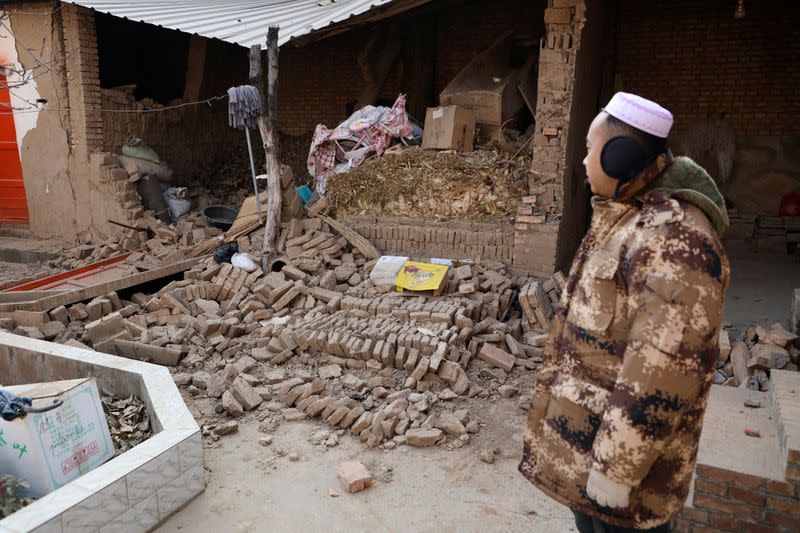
[[487, 456], [758, 352], [227, 428], [354, 476], [423, 438], [315, 338]]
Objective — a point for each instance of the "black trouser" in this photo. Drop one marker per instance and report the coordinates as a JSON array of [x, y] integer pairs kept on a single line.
[[587, 524]]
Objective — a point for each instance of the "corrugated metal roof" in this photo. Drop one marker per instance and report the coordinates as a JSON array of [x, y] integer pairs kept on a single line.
[[242, 22]]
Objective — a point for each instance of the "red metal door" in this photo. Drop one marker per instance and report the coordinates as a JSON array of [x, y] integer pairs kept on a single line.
[[13, 205]]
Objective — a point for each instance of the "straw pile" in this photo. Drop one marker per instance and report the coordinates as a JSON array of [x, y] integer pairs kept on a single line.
[[483, 185]]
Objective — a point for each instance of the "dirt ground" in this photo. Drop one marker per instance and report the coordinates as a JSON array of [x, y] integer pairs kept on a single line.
[[761, 286], [256, 488]]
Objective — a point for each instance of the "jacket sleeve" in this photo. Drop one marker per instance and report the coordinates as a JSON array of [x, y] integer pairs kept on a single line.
[[676, 285]]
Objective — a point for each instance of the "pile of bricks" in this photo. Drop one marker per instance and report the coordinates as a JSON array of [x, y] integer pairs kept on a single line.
[[317, 338], [157, 244], [747, 363], [538, 300]]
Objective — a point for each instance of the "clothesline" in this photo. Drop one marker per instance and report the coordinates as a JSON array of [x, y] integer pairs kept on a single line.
[[15, 111]]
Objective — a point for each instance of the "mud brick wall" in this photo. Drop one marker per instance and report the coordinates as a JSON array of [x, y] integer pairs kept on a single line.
[[535, 241], [540, 242], [189, 139], [697, 60], [732, 502], [451, 240], [80, 44]]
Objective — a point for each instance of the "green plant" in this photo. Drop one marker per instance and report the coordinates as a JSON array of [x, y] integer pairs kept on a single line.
[[11, 498]]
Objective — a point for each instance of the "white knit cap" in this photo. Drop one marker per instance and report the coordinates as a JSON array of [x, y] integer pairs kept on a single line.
[[640, 113]]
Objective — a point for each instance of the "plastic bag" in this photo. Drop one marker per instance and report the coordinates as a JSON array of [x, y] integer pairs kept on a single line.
[[146, 168], [178, 201], [385, 270], [135, 147], [244, 262], [224, 253]]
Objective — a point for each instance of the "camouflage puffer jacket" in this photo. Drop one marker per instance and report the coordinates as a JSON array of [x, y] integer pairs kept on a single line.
[[625, 382]]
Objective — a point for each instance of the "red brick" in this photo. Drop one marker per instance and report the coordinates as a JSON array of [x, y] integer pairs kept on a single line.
[[746, 496], [759, 528], [713, 65], [780, 488], [794, 457], [696, 516], [728, 476], [793, 473], [779, 518], [785, 505], [713, 503], [710, 487], [682, 526], [724, 522]]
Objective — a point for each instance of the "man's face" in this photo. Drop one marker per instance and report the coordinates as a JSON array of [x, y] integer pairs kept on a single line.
[[600, 182]]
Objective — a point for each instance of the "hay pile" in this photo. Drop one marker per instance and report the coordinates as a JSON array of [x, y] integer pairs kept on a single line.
[[483, 185]]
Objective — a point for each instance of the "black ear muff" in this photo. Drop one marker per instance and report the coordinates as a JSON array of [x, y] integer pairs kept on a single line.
[[622, 158]]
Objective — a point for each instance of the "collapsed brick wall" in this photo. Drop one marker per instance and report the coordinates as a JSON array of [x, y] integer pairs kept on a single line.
[[698, 61], [451, 240]]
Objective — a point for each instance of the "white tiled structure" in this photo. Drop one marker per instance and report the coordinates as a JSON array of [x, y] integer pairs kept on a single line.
[[134, 491]]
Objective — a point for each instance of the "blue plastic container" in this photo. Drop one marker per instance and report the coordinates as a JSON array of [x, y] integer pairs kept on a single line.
[[304, 193]]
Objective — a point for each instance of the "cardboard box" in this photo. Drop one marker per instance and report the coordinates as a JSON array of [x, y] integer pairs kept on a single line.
[[421, 277], [449, 128], [491, 87], [50, 449]]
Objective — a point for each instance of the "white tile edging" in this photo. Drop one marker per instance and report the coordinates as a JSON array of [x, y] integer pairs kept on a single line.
[[136, 490]]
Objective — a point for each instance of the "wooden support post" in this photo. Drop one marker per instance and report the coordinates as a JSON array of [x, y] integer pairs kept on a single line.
[[267, 121]]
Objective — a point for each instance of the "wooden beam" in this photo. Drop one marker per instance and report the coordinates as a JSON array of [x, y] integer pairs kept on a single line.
[[267, 126], [67, 298], [195, 68]]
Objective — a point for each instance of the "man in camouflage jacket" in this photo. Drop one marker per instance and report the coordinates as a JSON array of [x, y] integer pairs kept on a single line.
[[618, 406]]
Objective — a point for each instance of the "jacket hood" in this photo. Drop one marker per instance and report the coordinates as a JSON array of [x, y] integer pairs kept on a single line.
[[688, 181]]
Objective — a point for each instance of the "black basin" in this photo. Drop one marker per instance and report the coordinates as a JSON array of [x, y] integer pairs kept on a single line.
[[220, 216]]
